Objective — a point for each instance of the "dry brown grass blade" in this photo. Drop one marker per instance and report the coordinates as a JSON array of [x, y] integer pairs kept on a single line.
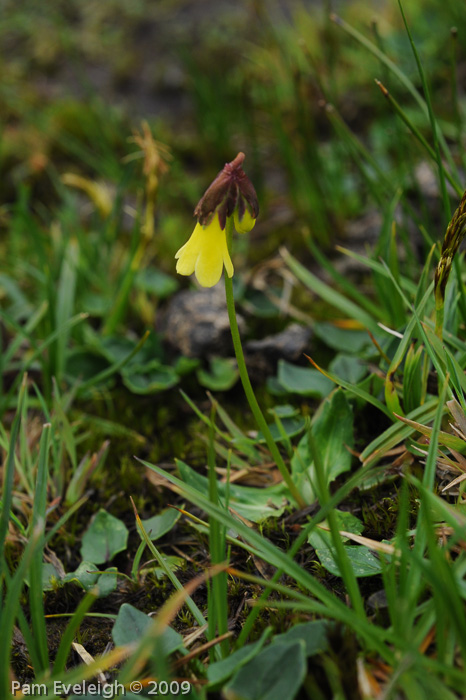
[[200, 650]]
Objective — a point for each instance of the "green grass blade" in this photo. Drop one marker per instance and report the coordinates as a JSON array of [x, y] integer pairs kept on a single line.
[[332, 606], [433, 123], [197, 614], [331, 296], [35, 577], [65, 304], [8, 475], [11, 606], [402, 77], [38, 352]]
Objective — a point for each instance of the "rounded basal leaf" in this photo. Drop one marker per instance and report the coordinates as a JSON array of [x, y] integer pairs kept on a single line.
[[222, 376], [348, 367], [332, 428], [363, 561], [303, 380], [260, 304], [288, 428], [150, 378], [220, 671], [313, 634], [105, 537], [117, 348], [352, 341], [107, 581], [274, 674], [159, 525], [51, 577], [131, 624], [86, 575], [82, 365], [252, 503]]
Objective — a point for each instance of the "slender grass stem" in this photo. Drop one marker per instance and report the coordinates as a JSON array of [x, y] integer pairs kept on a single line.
[[218, 589], [248, 390], [402, 77], [415, 131]]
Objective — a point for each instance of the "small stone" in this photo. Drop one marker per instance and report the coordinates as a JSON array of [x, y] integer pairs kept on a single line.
[[196, 323], [262, 355], [378, 600]]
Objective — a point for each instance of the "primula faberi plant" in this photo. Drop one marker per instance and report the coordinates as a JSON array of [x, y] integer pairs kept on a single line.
[[454, 235], [230, 196], [230, 201]]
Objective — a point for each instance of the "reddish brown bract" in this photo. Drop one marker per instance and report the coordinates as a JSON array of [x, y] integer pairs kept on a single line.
[[231, 189]]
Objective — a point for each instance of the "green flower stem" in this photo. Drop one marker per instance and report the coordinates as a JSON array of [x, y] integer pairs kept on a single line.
[[248, 390]]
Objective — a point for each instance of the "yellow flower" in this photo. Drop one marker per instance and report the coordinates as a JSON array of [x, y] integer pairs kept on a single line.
[[205, 253], [246, 224], [230, 196]]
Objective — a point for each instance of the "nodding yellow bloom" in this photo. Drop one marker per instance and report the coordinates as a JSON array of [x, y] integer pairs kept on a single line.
[[231, 195], [205, 254]]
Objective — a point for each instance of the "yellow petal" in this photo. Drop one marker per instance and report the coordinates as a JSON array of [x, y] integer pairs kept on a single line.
[[188, 254], [246, 224], [213, 255], [205, 253]]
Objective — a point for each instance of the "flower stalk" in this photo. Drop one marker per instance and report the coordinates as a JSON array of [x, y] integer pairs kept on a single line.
[[230, 202], [246, 382]]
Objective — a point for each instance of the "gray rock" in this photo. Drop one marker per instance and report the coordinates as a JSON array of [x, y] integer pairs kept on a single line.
[[262, 355], [196, 324]]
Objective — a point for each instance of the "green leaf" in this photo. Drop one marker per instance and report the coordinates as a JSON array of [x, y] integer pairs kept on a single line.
[[333, 433], [159, 525], [337, 338], [84, 364], [86, 575], [321, 537], [150, 378], [260, 304], [303, 380], [363, 561], [50, 577], [107, 581], [117, 348], [131, 624], [253, 503], [276, 673], [154, 281], [313, 634], [290, 426], [185, 365], [105, 537], [275, 388], [285, 410], [222, 376], [349, 368], [221, 671]]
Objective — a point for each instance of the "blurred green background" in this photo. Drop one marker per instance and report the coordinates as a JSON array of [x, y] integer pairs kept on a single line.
[[116, 116]]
